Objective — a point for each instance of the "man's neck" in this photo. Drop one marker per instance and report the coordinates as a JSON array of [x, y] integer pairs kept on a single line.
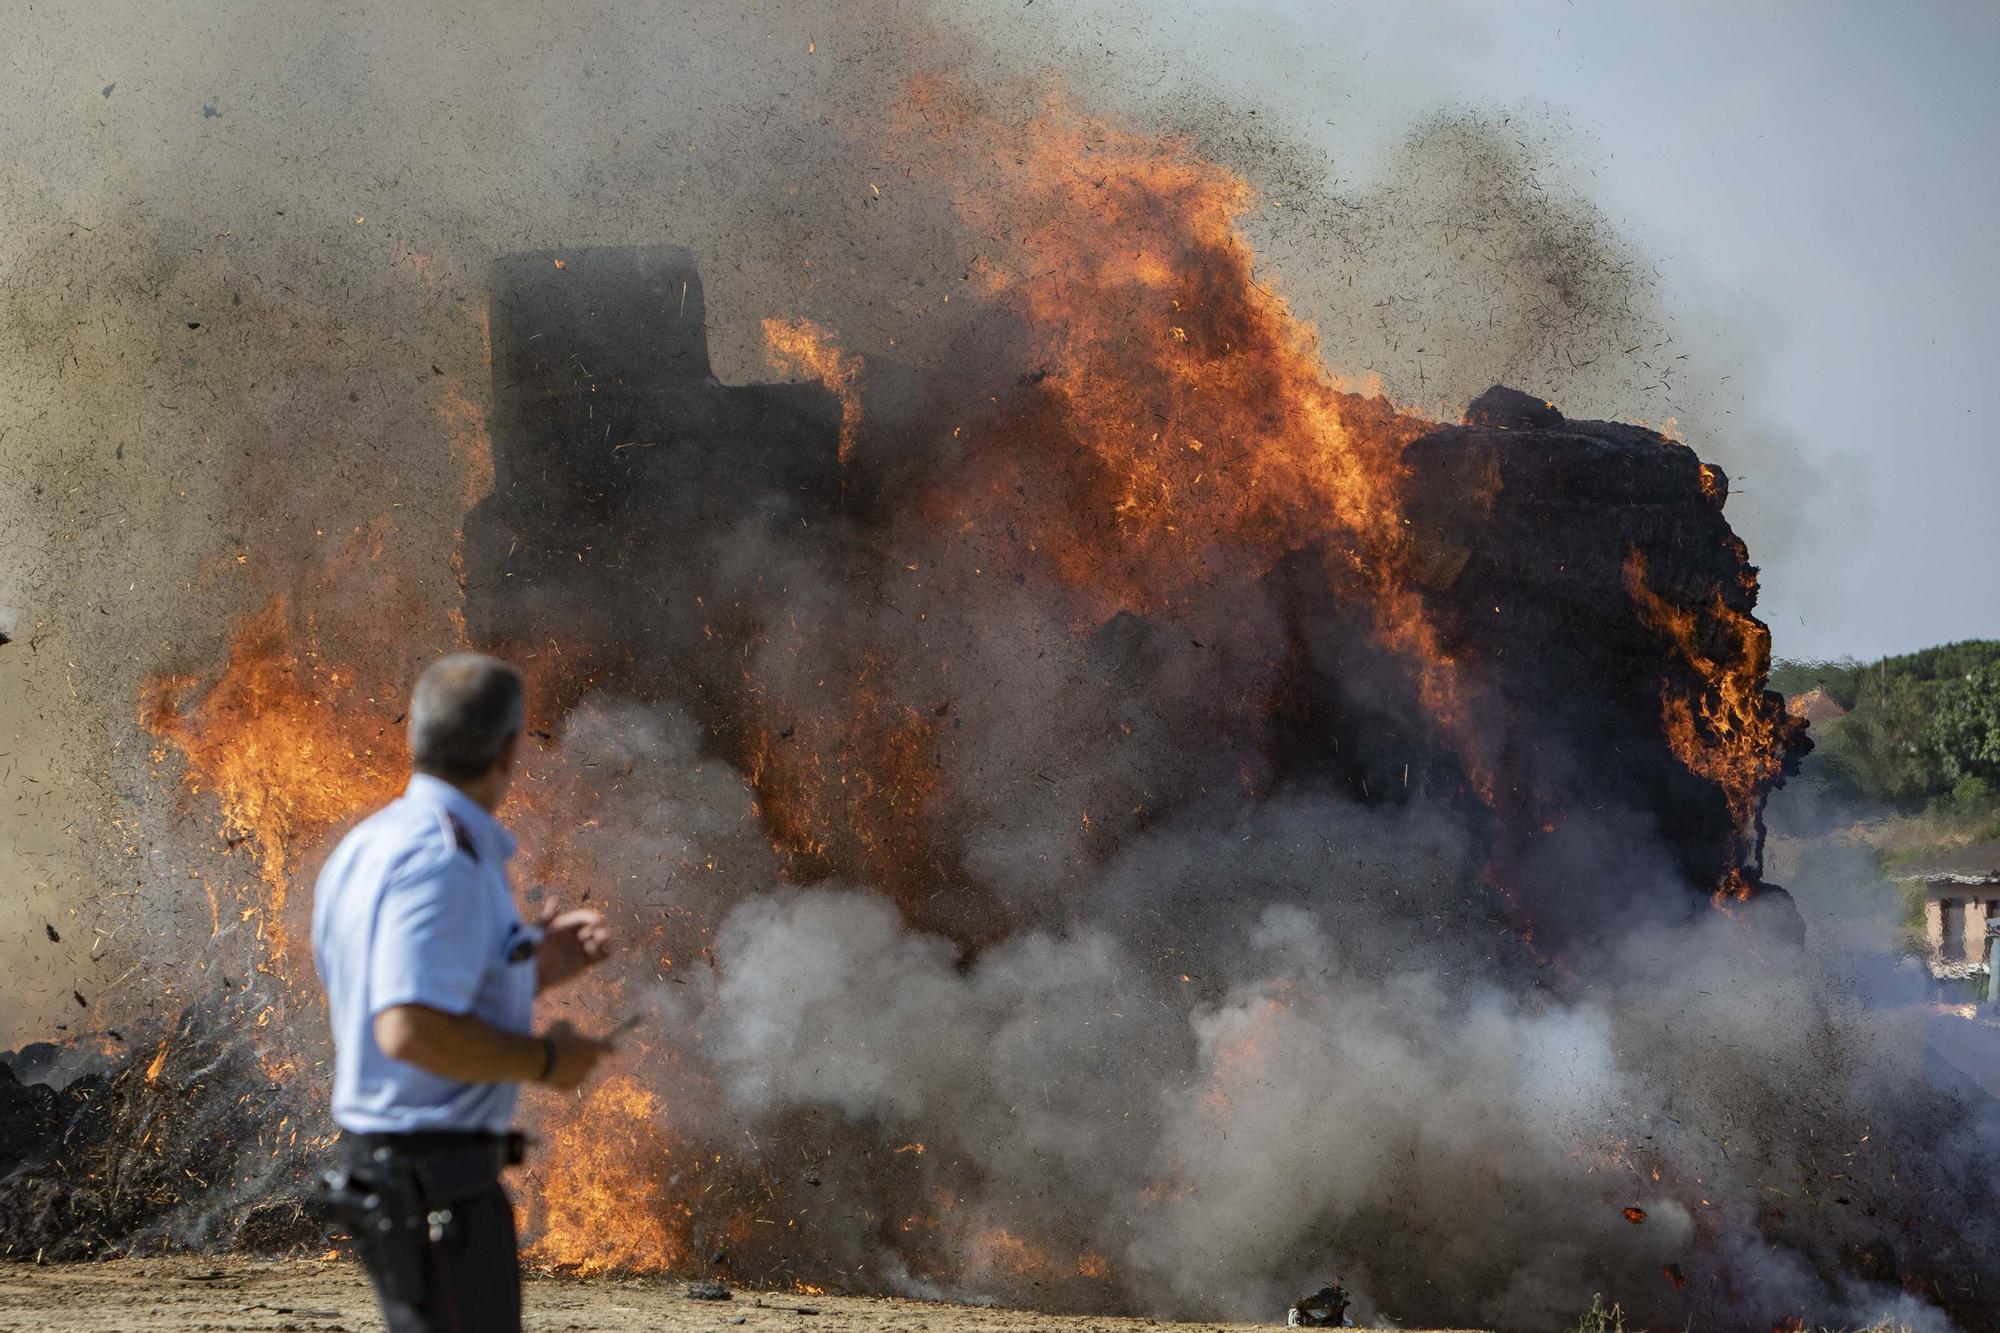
[[484, 792]]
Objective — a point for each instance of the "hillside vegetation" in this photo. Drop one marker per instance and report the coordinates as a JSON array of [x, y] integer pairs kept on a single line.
[[1920, 735]]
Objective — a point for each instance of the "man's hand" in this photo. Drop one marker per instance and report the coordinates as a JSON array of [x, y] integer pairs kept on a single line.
[[571, 942], [576, 1056]]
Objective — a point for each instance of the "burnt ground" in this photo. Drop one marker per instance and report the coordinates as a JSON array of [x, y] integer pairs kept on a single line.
[[190, 1294]]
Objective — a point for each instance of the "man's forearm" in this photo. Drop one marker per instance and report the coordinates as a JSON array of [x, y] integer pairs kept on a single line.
[[458, 1046]]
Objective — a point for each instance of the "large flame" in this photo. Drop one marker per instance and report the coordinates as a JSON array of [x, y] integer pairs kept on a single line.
[[291, 745], [604, 1201], [1212, 429]]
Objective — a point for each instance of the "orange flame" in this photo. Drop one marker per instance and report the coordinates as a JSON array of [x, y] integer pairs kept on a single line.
[[288, 743], [1206, 413], [1727, 732], [1000, 1250], [603, 1203]]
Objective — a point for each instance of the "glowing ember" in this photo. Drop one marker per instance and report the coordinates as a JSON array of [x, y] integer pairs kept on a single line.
[[1001, 1250], [802, 347]]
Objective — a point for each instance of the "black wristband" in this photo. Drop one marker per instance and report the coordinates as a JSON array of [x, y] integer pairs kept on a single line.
[[548, 1059]]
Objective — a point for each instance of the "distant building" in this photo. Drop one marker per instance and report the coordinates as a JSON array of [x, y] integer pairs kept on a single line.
[[1961, 894], [1815, 706]]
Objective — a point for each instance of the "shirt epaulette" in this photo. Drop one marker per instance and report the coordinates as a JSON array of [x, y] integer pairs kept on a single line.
[[461, 837]]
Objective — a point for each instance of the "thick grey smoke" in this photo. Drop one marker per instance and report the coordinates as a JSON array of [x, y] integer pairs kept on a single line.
[[1283, 1040], [1336, 1090]]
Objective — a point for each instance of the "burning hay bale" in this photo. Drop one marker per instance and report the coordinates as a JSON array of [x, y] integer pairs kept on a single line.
[[1524, 644], [1586, 570], [1578, 590]]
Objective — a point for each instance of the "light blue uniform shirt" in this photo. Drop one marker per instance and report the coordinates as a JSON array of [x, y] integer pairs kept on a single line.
[[413, 907]]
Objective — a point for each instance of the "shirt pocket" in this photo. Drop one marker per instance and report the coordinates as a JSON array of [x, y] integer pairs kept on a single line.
[[520, 944]]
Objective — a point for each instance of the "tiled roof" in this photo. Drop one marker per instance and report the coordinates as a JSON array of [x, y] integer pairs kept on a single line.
[[1977, 864]]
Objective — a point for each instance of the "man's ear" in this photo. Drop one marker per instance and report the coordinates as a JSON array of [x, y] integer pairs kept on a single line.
[[506, 761]]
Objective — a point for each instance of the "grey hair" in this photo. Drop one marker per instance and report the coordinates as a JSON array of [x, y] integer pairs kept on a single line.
[[465, 709]]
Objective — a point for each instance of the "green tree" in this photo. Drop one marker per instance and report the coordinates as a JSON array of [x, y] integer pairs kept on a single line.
[[1921, 727], [1882, 746], [1964, 730]]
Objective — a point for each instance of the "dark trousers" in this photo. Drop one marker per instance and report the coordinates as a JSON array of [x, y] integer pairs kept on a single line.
[[454, 1267]]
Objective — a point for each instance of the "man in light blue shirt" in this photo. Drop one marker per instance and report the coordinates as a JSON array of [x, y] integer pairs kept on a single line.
[[431, 977]]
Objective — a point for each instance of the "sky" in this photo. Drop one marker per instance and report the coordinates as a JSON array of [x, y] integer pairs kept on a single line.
[[1828, 173]]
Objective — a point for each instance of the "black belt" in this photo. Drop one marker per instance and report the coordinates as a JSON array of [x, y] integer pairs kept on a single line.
[[503, 1150]]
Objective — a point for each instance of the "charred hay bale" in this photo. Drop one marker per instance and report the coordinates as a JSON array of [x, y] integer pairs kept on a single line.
[[30, 1115], [621, 464], [1546, 549], [189, 1144]]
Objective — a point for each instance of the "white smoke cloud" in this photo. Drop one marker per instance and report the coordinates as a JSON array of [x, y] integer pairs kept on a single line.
[[1433, 1138]]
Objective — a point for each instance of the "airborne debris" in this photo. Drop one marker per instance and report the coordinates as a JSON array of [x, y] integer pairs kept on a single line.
[[1325, 1308]]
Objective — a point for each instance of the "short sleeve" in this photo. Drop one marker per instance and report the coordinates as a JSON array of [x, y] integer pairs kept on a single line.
[[431, 942]]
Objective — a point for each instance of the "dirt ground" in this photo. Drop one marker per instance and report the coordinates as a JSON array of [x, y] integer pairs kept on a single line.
[[213, 1296]]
